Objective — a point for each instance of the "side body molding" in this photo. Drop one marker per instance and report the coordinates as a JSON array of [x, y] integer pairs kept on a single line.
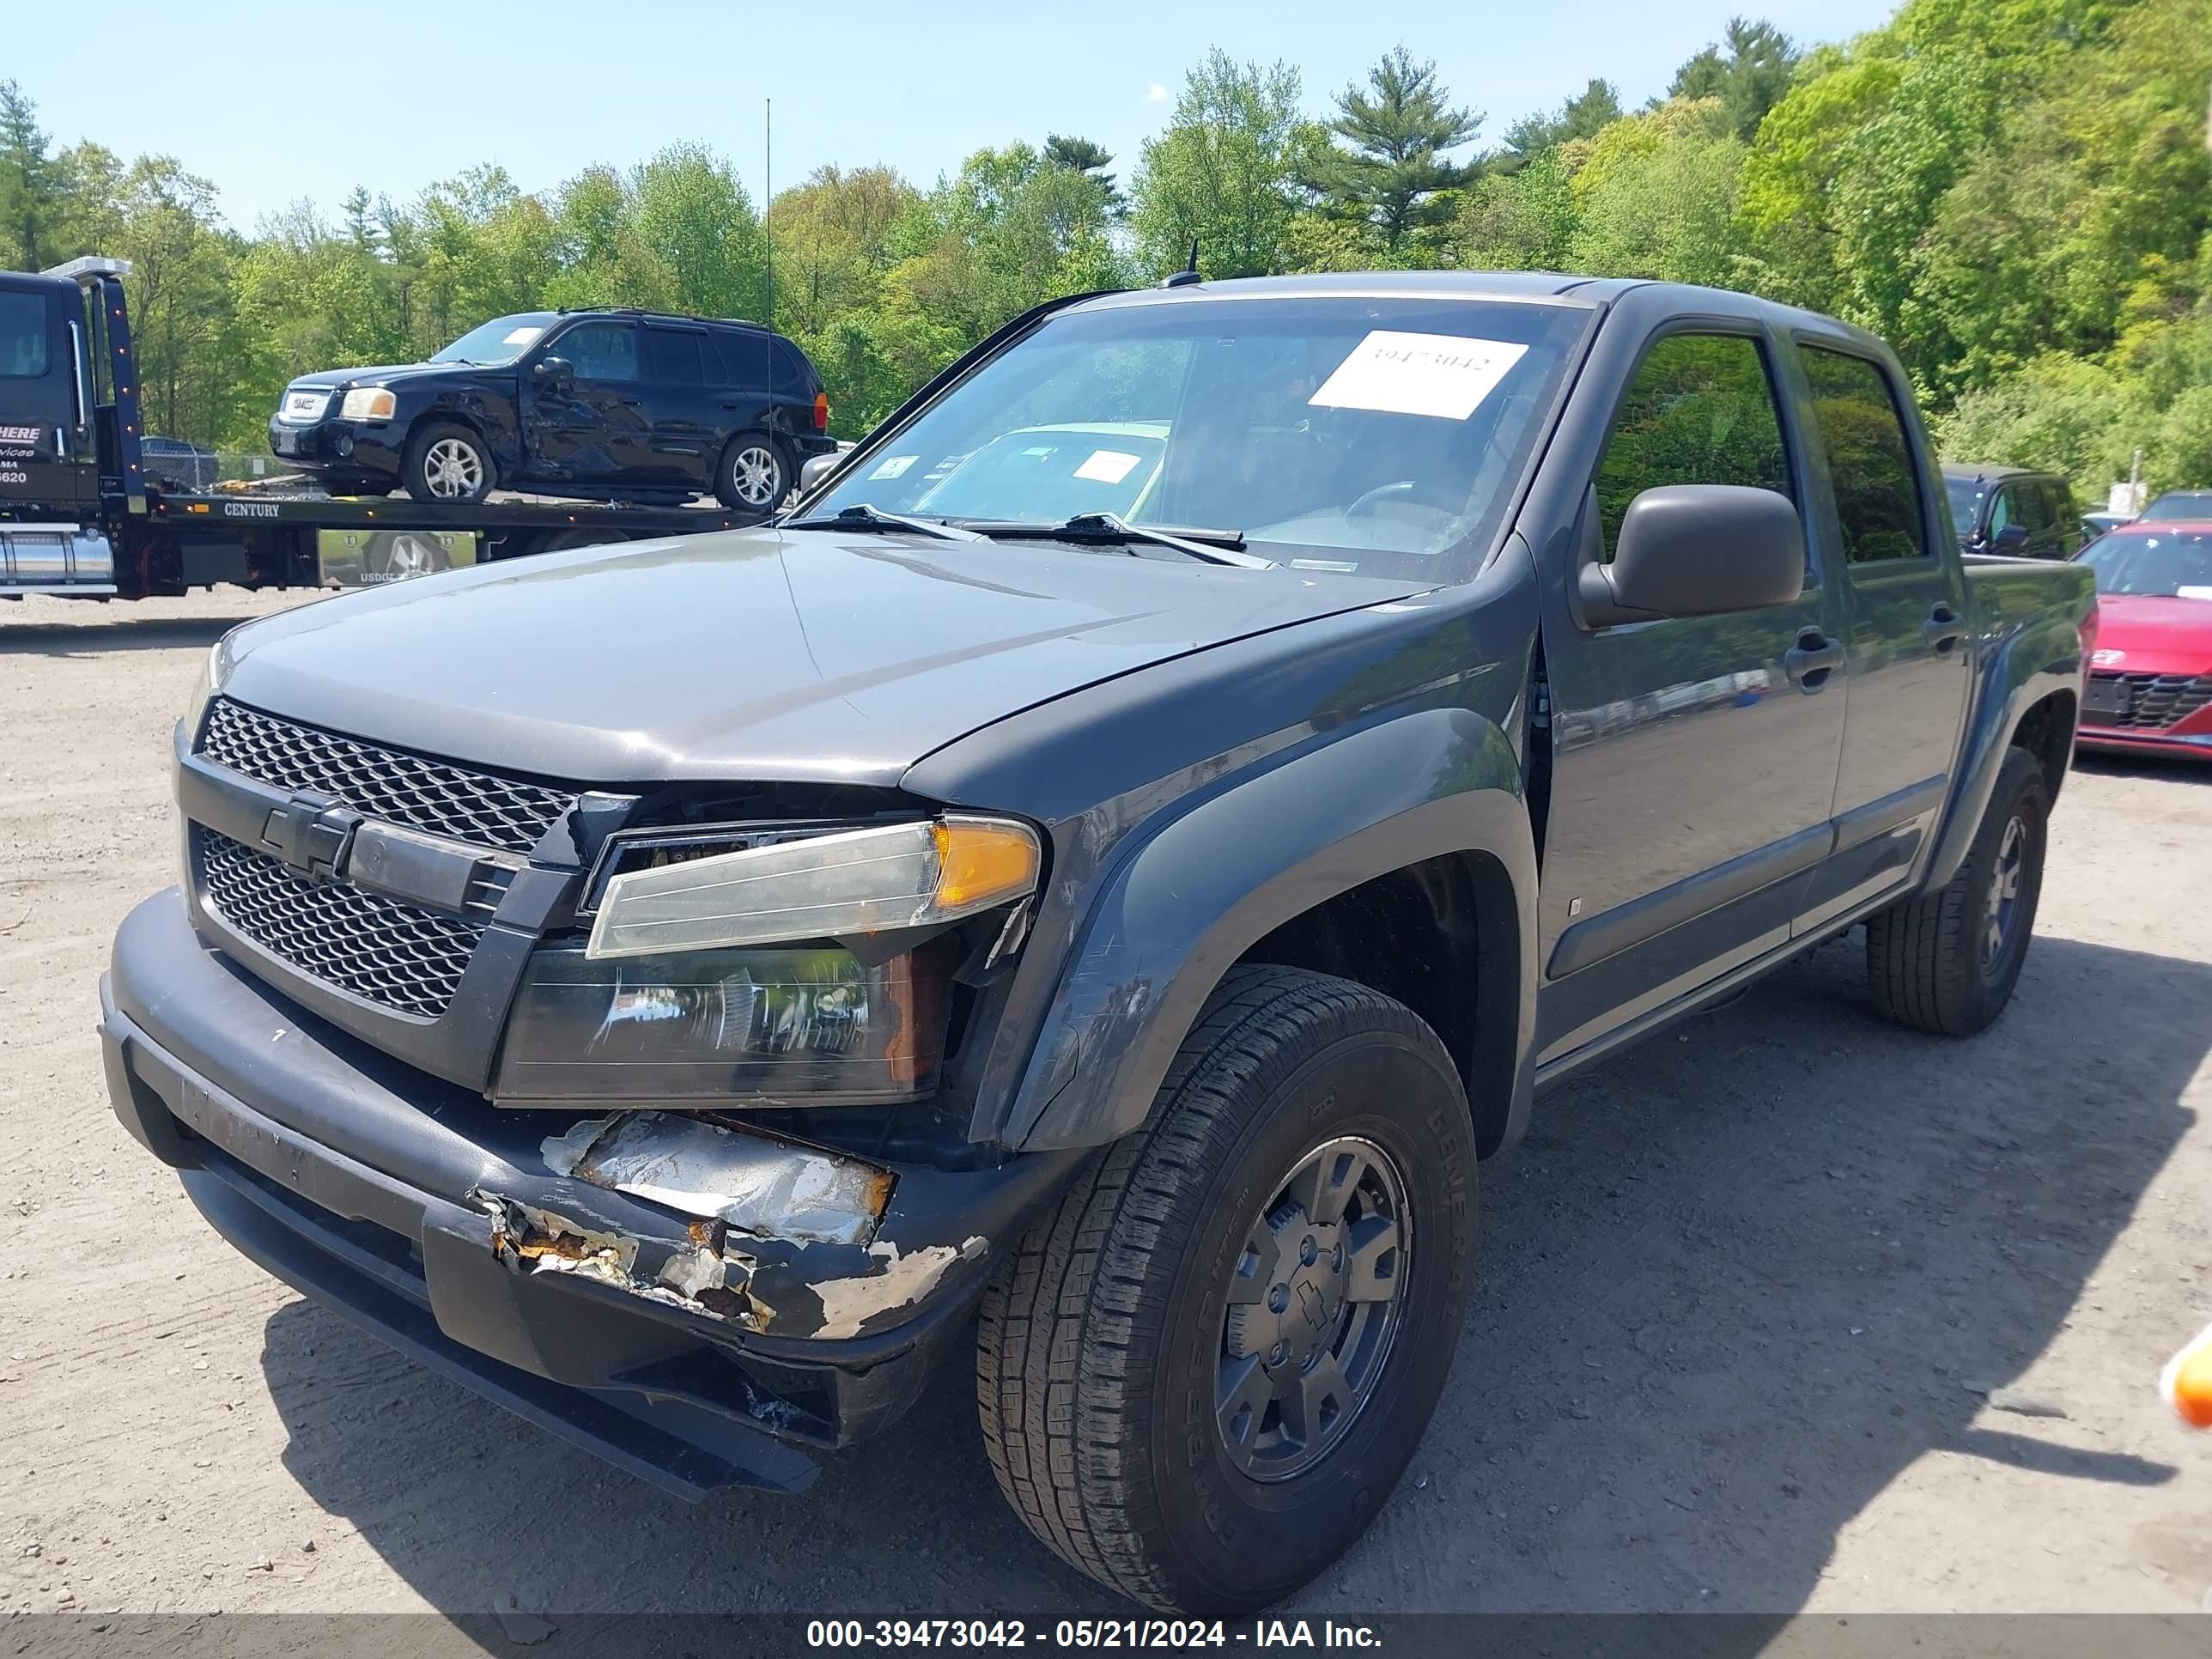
[[1193, 896]]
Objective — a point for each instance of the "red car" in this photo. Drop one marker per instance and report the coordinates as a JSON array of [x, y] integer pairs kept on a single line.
[[2150, 676]]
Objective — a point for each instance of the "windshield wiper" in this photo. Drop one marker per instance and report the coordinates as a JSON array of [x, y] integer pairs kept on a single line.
[[1109, 530], [862, 516]]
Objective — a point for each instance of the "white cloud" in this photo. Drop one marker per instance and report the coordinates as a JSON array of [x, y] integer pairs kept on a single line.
[[1155, 94]]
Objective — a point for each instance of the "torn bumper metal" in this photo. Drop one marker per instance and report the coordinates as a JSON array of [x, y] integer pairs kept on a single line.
[[685, 1297]]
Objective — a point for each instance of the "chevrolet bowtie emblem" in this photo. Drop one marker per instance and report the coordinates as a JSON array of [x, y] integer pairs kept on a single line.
[[310, 834]]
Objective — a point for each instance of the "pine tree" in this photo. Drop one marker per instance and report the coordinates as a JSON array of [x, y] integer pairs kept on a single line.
[[1749, 76], [31, 187], [1388, 163]]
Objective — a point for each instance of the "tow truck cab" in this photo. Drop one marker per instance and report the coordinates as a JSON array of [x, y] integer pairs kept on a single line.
[[62, 409]]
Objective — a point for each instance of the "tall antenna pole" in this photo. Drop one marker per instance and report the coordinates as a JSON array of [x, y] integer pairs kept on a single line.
[[767, 200]]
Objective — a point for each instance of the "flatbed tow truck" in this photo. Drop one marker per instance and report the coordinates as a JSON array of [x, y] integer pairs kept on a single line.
[[85, 514]]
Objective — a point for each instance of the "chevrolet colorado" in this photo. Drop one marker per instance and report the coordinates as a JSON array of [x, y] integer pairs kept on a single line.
[[1082, 891]]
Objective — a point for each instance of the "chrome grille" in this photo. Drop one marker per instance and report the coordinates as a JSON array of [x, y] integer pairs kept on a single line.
[[383, 951], [477, 807], [2155, 700]]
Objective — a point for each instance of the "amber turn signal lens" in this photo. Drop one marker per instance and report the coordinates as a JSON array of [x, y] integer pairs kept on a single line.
[[980, 862]]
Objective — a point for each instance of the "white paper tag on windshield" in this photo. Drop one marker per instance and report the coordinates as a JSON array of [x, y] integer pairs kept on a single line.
[[1107, 466], [894, 465], [521, 335], [1446, 375], [2188, 592]]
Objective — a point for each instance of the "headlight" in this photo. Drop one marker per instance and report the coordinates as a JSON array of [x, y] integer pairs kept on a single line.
[[369, 403], [824, 887], [759, 1027]]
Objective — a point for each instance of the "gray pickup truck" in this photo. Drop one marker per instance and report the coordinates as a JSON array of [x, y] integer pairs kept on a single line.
[[1083, 890]]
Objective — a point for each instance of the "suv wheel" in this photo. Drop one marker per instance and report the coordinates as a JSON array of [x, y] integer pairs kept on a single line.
[[1947, 961], [754, 477], [447, 463], [1199, 1379]]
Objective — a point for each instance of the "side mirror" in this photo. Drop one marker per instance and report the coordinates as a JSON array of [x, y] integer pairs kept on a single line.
[[1697, 550], [815, 469], [555, 371], [2013, 535]]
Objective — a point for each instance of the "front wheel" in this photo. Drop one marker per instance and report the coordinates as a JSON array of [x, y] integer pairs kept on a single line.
[[1200, 1378], [753, 478], [446, 463], [1947, 961]]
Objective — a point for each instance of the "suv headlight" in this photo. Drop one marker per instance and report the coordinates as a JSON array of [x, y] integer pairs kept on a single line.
[[369, 403], [727, 979]]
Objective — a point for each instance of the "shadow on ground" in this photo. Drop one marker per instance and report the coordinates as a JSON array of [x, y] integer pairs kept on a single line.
[[1733, 1284], [104, 635]]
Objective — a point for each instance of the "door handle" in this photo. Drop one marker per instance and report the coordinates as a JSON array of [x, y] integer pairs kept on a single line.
[[633, 402], [1944, 629], [1812, 658]]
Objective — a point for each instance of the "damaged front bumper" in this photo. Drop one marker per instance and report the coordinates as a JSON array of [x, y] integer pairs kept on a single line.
[[685, 1297]]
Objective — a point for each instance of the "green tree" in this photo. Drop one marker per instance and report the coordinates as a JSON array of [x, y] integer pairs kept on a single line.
[[1082, 156], [1220, 175], [1747, 69], [33, 190], [1583, 116], [1388, 159], [1656, 195]]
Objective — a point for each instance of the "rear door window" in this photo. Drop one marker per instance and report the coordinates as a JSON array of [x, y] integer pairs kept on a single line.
[[674, 356], [1870, 461], [23, 329]]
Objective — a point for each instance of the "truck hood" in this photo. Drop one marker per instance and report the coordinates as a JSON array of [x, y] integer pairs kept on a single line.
[[750, 655]]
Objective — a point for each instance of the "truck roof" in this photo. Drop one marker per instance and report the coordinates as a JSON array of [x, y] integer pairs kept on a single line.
[[1521, 285]]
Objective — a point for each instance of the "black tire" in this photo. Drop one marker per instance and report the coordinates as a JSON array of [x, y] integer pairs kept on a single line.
[[739, 484], [1928, 962], [446, 463], [1106, 1333]]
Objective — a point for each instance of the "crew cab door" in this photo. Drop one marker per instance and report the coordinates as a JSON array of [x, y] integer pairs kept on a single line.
[[591, 425], [1693, 758], [685, 409], [1906, 630]]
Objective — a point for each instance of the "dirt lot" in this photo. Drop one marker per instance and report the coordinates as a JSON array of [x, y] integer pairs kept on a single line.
[[1746, 1296]]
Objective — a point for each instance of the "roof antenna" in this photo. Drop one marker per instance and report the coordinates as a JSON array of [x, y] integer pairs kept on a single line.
[[1189, 274]]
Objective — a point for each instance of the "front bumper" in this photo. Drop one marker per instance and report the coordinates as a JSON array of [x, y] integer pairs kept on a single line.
[[398, 1200], [2138, 741], [370, 448]]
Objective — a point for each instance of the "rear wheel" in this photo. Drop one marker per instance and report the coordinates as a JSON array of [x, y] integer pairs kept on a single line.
[[754, 475], [446, 463], [1947, 961], [1199, 1381]]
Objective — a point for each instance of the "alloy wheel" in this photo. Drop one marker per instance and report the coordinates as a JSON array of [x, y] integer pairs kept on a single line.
[[453, 469], [2003, 906], [757, 474], [1313, 1310]]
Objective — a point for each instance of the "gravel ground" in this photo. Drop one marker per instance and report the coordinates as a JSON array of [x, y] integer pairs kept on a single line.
[[1789, 1310]]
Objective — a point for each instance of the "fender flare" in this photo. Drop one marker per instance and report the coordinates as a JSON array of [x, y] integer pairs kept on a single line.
[[1185, 903], [2043, 659]]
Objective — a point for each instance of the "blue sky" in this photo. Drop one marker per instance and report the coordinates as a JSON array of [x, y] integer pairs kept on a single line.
[[277, 103]]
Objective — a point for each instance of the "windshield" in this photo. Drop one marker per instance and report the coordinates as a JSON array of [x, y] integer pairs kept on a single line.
[[1376, 435], [1965, 501], [2180, 504], [2165, 565], [498, 342]]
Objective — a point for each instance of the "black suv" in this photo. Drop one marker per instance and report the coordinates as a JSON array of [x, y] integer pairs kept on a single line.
[[2010, 509], [598, 404]]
